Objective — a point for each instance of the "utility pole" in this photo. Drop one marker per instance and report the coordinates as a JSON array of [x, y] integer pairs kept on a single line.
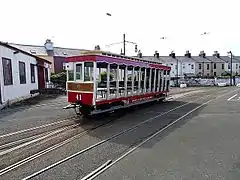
[[230, 52], [124, 45]]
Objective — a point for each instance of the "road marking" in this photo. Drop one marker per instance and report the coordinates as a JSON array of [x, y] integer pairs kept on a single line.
[[229, 99]]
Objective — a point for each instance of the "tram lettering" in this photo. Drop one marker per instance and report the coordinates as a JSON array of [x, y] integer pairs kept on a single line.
[[80, 87]]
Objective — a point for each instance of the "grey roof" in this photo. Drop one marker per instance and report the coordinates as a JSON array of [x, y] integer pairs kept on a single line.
[[168, 59], [5, 44], [236, 59], [216, 59], [185, 59], [200, 59], [153, 59], [41, 51]]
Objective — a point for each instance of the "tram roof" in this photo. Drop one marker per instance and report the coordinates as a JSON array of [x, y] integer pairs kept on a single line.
[[104, 56]]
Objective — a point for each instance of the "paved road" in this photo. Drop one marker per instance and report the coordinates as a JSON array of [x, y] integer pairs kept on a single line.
[[145, 158], [206, 146]]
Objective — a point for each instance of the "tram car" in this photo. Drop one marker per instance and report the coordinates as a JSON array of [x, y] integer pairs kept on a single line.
[[99, 82]]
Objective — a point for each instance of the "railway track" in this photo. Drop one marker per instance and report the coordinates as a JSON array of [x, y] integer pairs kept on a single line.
[[54, 147], [37, 155], [109, 163]]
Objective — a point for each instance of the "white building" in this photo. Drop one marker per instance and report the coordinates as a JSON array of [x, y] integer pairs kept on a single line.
[[20, 73]]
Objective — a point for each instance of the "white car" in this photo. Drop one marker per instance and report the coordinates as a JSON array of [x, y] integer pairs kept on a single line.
[[222, 84]]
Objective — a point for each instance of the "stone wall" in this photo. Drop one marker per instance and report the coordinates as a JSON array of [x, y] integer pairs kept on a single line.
[[205, 81]]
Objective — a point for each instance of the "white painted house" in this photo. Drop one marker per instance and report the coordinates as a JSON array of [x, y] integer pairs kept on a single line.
[[19, 73]]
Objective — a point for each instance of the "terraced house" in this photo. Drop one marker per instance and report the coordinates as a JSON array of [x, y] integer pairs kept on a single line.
[[201, 65]]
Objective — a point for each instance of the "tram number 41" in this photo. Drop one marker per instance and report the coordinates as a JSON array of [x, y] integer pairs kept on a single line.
[[79, 97]]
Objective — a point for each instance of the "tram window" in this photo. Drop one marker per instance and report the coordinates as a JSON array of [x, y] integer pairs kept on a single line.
[[88, 71], [78, 71], [70, 75]]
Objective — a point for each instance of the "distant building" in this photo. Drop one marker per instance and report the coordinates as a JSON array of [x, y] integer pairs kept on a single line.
[[56, 55], [201, 65], [20, 73]]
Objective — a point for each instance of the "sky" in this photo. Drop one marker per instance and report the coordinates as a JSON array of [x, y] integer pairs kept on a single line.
[[83, 24]]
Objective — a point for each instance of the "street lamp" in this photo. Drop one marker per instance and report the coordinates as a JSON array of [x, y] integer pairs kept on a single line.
[[230, 52]]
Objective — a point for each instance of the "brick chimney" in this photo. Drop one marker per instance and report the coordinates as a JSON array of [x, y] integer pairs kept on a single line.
[[188, 54], [202, 54], [49, 47], [216, 54], [172, 54], [156, 54]]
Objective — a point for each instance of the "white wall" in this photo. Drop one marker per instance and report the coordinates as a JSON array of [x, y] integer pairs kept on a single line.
[[17, 90], [183, 67], [235, 67], [186, 67]]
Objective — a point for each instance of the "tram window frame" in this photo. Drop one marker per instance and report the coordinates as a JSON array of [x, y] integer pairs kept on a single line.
[[81, 73], [88, 68], [70, 75]]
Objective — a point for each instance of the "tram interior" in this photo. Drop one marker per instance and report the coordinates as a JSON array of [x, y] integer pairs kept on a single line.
[[123, 80]]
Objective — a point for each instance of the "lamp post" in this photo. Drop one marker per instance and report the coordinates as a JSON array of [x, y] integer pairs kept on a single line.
[[230, 52]]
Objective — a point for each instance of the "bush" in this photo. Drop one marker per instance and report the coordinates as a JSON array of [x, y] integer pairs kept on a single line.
[[59, 78], [103, 76]]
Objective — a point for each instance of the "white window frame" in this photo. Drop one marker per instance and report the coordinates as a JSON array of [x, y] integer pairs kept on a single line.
[[75, 72]]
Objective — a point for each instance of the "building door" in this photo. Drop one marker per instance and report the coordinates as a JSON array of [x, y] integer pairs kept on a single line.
[[41, 81]]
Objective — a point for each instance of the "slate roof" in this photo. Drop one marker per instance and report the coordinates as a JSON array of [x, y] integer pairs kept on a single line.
[[5, 44], [185, 59], [200, 59], [153, 59], [41, 51], [215, 59]]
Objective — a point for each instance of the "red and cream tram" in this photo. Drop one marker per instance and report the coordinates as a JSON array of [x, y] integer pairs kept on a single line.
[[99, 82]]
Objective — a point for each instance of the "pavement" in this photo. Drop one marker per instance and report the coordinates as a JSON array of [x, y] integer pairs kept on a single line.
[[187, 150]]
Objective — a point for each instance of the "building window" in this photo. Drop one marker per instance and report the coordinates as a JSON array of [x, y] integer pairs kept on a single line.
[[7, 71], [229, 66], [22, 73], [192, 66], [215, 74], [236, 66], [222, 66], [199, 66], [46, 74], [175, 66], [207, 74], [32, 68], [214, 66], [208, 66]]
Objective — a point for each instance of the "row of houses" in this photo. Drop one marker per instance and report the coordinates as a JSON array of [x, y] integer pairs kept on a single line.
[[201, 65], [185, 65], [21, 73], [25, 68]]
